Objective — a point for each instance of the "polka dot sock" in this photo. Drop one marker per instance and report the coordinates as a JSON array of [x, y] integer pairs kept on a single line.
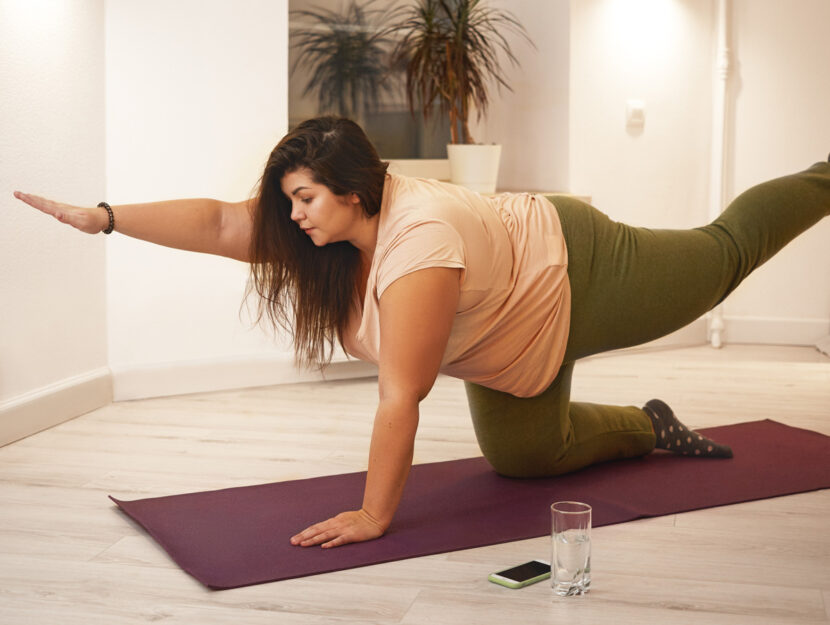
[[672, 435]]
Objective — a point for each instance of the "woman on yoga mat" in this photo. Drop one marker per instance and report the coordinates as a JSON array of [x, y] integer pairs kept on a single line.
[[506, 293]]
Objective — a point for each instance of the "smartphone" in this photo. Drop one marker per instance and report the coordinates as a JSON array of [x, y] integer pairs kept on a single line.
[[522, 575]]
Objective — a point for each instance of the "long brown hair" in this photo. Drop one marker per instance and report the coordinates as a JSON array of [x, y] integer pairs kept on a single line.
[[309, 291]]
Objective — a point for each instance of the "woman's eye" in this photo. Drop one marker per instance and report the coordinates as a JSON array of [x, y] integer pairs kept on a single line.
[[306, 200]]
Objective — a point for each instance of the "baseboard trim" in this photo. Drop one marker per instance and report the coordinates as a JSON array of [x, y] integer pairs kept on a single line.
[[200, 376], [742, 330], [54, 404], [774, 330]]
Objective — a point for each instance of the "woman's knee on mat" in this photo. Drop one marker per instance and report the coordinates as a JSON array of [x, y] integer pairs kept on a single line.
[[522, 437]]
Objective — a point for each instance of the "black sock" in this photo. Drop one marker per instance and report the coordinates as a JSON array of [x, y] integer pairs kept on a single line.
[[674, 436]]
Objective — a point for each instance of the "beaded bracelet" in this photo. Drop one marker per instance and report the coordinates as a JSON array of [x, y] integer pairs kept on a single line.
[[109, 214]]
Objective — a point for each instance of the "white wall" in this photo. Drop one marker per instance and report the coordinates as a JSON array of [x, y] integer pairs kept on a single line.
[[196, 100], [531, 122], [53, 317], [782, 125], [130, 101], [662, 51], [659, 52]]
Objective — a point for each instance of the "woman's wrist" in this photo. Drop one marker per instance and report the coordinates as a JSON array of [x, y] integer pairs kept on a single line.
[[102, 218], [382, 522], [109, 219]]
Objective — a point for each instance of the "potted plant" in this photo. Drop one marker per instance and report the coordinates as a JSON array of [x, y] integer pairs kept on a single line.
[[450, 52], [346, 56]]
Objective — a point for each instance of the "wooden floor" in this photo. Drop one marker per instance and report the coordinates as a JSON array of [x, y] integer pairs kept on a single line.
[[68, 556]]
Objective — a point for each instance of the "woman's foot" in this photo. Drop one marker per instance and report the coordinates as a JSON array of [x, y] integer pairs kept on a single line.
[[673, 436]]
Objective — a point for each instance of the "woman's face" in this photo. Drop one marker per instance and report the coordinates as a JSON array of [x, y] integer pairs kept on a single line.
[[322, 215]]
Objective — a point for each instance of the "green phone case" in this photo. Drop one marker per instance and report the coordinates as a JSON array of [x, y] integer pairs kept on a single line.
[[508, 584]]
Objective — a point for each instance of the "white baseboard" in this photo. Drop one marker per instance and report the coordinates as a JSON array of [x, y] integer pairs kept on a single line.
[[774, 330], [748, 330], [199, 376], [51, 405]]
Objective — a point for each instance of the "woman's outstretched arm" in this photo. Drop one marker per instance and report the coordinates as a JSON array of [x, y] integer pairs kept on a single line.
[[416, 316], [196, 225]]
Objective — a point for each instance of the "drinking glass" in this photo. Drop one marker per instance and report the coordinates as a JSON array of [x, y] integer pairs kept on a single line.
[[571, 548]]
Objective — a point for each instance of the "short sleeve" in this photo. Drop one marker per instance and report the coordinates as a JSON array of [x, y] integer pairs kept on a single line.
[[426, 244]]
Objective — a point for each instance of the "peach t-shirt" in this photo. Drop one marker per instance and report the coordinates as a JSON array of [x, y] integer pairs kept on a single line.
[[511, 326]]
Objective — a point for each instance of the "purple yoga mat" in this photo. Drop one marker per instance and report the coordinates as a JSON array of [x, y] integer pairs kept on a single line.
[[239, 536]]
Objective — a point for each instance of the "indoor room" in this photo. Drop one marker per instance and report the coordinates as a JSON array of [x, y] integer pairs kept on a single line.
[[168, 452]]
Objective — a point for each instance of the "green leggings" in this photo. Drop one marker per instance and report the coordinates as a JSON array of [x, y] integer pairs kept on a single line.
[[629, 286]]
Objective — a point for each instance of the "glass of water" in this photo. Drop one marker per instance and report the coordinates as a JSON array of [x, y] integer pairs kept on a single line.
[[571, 550]]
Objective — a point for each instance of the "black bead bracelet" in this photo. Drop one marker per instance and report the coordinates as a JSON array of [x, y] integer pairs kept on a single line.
[[109, 214]]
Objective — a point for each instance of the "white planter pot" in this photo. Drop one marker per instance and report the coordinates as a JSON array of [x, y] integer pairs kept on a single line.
[[474, 166]]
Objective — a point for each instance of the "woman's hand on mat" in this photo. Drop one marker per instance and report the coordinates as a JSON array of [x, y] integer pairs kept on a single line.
[[353, 526], [89, 220]]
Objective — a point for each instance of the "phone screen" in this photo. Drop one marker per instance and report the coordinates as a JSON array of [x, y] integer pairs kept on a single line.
[[526, 571]]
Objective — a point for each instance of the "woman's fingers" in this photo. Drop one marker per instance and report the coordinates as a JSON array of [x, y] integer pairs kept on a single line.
[[313, 535], [50, 207], [41, 203], [338, 540], [318, 534]]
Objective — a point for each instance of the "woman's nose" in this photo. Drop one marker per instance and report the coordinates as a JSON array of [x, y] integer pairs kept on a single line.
[[296, 212]]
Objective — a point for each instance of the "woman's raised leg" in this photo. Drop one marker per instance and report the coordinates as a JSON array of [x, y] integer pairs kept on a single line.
[[632, 285]]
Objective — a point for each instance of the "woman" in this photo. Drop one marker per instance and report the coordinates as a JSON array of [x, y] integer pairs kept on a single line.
[[505, 293]]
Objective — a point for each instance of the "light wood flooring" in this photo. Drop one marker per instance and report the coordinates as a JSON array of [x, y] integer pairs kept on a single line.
[[68, 556]]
